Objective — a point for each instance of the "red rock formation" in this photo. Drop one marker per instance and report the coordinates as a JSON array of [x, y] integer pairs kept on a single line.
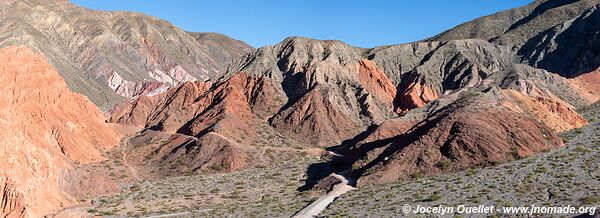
[[12, 203], [317, 119], [554, 113], [220, 118], [237, 97], [471, 131], [46, 128], [324, 114], [587, 85], [372, 78], [415, 95], [141, 110]]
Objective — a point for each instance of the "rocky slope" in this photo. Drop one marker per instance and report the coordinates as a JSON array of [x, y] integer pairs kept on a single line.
[[320, 92], [310, 98], [398, 111], [104, 55], [458, 132], [224, 114], [46, 129], [470, 131], [326, 92], [492, 90], [537, 180], [516, 26], [556, 35], [423, 141], [178, 154], [570, 49]]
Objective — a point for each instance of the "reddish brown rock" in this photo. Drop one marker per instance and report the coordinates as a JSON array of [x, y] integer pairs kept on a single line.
[[587, 85], [317, 119], [554, 113], [333, 92], [12, 203], [199, 105], [469, 132], [372, 78], [106, 55], [217, 123], [140, 111], [46, 129], [415, 95]]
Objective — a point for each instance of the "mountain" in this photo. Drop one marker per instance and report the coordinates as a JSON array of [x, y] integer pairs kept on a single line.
[[327, 93], [319, 92], [46, 131], [470, 131], [570, 49], [315, 93], [516, 26], [556, 35], [493, 90], [110, 55], [484, 125], [203, 105]]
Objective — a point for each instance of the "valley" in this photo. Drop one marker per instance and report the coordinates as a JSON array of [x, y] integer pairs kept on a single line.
[[120, 114]]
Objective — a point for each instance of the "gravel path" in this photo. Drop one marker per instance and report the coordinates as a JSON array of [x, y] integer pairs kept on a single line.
[[321, 204]]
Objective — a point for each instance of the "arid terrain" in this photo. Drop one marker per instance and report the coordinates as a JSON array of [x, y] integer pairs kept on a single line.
[[120, 114]]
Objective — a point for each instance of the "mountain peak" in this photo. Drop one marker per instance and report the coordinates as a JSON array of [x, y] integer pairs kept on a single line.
[[128, 54]]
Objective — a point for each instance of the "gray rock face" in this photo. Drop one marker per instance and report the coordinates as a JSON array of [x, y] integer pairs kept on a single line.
[[327, 84], [221, 49], [517, 26], [314, 74], [445, 66], [569, 49], [560, 36], [535, 82], [103, 53]]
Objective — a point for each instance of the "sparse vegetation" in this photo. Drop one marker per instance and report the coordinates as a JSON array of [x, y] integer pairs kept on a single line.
[[569, 175], [267, 190]]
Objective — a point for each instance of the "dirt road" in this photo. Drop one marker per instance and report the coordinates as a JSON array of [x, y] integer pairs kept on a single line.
[[320, 204]]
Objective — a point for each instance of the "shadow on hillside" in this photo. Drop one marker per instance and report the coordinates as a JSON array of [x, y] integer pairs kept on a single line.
[[315, 173]]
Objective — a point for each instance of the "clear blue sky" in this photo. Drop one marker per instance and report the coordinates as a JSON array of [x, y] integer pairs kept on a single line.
[[363, 23]]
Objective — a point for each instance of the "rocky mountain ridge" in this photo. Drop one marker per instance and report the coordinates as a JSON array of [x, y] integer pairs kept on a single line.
[[325, 92], [207, 104], [47, 130], [110, 55]]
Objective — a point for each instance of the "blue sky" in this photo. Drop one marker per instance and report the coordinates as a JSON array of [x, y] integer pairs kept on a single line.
[[363, 23]]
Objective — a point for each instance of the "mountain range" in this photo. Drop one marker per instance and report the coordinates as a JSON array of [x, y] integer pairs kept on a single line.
[[84, 88]]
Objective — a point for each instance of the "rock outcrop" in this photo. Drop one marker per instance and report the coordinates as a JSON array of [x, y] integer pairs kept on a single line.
[[306, 93], [218, 119], [471, 130], [326, 92], [410, 145], [516, 26], [569, 49], [554, 113], [587, 86], [556, 35], [108, 55], [46, 130], [400, 110]]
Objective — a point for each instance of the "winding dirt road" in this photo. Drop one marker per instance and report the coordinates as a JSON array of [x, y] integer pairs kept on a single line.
[[321, 204]]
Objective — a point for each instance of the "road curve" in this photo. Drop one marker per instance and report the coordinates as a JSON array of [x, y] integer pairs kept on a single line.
[[321, 204]]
